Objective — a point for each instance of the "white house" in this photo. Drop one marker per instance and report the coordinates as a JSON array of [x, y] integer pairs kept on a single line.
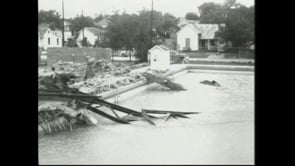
[[197, 36], [103, 23], [49, 38], [159, 57], [91, 34], [67, 30]]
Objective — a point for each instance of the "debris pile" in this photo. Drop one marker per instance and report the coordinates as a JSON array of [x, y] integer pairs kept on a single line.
[[79, 97], [96, 77], [104, 83], [78, 105]]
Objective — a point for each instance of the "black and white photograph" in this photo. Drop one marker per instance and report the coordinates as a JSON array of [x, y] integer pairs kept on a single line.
[[166, 82]]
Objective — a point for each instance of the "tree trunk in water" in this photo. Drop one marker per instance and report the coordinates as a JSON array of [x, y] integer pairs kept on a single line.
[[164, 81]]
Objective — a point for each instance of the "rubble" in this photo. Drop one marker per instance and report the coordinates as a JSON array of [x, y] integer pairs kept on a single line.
[[95, 77], [66, 83]]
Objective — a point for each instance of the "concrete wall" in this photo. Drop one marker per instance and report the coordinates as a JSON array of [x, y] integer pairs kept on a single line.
[[187, 32], [77, 54]]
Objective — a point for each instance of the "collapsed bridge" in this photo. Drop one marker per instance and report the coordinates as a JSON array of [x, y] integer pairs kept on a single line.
[[78, 106]]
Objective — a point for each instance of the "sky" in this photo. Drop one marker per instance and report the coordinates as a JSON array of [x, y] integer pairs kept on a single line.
[[178, 8]]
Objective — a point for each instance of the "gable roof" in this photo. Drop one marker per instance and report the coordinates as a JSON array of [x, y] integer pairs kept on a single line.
[[94, 30], [160, 47], [102, 22], [57, 33], [42, 30], [207, 31]]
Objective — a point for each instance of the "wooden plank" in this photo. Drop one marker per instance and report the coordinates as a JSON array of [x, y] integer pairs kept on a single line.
[[182, 116], [65, 96], [94, 99], [168, 117], [147, 118], [114, 112], [131, 118], [165, 112]]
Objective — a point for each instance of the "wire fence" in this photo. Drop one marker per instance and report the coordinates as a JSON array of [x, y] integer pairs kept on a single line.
[[239, 52], [226, 52]]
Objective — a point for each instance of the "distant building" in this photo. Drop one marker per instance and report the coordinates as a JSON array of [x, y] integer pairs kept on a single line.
[[67, 30], [159, 57], [91, 34], [195, 36], [49, 38]]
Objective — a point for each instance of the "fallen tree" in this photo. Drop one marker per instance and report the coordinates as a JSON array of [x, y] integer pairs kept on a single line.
[[164, 81]]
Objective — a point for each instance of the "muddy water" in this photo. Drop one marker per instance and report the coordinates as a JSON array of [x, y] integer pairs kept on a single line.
[[223, 133]]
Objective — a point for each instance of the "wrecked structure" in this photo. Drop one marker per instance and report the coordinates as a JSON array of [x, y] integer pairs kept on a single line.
[[69, 98]]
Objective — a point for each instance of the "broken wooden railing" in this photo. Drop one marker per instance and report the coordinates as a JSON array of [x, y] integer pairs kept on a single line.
[[88, 102]]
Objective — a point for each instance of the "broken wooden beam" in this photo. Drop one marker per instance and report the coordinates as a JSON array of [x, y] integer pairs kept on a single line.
[[168, 117], [179, 115], [121, 108], [95, 110], [165, 112], [48, 96], [94, 99], [145, 116]]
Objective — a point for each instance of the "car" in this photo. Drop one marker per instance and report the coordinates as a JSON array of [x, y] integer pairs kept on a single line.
[[43, 58], [123, 53]]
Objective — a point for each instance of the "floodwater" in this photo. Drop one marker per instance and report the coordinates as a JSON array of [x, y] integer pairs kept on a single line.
[[223, 133]]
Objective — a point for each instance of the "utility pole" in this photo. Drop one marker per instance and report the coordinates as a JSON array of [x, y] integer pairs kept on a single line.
[[82, 31], [63, 25], [152, 24]]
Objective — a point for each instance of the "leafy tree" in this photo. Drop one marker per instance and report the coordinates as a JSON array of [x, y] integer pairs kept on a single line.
[[229, 3], [239, 27], [192, 16], [99, 17], [81, 22], [51, 17], [211, 13], [238, 20], [134, 31]]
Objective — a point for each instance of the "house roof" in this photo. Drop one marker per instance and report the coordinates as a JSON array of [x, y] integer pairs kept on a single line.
[[94, 30], [57, 33], [102, 22], [42, 30], [160, 47], [207, 31]]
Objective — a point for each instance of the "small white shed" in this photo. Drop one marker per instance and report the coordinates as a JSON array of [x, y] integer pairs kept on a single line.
[[159, 57]]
